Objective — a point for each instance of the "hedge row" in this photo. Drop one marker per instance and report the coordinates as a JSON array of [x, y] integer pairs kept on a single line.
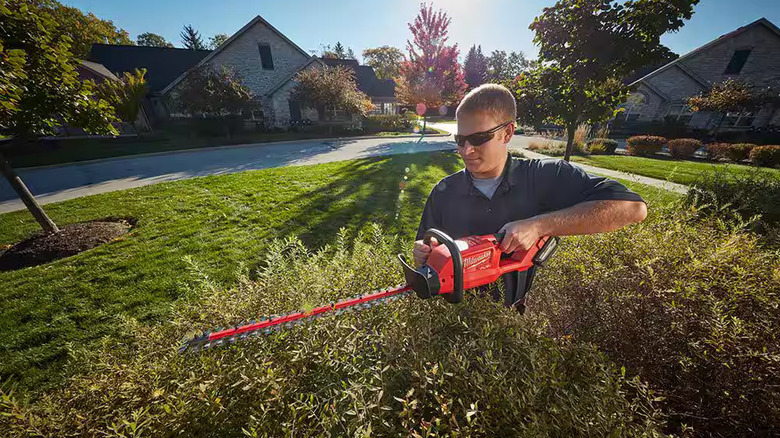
[[646, 145]]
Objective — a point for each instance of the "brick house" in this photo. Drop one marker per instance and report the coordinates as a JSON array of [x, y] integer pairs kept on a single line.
[[750, 53], [267, 62]]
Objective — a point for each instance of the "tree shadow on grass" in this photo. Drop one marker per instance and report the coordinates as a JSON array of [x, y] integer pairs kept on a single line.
[[387, 191]]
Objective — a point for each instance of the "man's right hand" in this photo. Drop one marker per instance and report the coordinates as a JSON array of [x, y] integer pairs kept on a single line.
[[421, 251]]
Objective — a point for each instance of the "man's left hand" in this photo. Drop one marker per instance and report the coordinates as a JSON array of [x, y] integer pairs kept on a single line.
[[521, 234]]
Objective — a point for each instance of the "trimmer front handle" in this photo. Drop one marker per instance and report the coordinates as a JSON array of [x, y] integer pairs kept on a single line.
[[470, 262]]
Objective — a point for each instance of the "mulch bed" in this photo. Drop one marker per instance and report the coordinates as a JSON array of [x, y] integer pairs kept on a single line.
[[72, 239]]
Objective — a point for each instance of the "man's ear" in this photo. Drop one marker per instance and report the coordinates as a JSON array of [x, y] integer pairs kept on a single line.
[[509, 131]]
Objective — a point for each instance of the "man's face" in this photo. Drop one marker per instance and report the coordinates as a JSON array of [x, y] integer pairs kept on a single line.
[[486, 160]]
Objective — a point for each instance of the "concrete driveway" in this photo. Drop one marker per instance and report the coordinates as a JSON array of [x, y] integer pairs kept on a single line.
[[68, 181]]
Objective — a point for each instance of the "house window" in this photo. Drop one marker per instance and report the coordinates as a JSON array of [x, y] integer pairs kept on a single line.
[[738, 61], [739, 120], [633, 108], [679, 113], [265, 56]]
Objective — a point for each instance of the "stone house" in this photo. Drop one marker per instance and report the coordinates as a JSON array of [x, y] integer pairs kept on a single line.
[[267, 62], [750, 53]]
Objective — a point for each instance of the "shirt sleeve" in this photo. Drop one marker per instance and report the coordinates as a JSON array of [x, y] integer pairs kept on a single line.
[[560, 185], [430, 216]]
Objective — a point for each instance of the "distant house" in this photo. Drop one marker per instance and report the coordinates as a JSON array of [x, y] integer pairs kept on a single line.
[[750, 53], [162, 64], [267, 62]]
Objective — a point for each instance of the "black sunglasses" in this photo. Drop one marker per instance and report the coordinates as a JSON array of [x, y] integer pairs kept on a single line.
[[478, 138]]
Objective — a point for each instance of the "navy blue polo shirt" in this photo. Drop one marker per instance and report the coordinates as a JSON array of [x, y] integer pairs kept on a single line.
[[528, 188]]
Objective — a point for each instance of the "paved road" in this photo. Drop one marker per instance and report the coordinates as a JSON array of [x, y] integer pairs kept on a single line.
[[62, 182], [521, 142]]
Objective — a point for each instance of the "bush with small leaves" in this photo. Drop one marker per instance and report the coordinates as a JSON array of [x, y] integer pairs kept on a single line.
[[690, 305], [768, 156], [728, 151], [683, 147], [602, 146], [645, 144], [408, 368]]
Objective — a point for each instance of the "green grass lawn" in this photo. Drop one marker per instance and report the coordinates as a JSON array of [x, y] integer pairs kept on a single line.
[[197, 228], [679, 171], [74, 150]]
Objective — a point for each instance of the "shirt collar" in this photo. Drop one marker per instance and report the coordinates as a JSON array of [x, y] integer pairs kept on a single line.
[[506, 180]]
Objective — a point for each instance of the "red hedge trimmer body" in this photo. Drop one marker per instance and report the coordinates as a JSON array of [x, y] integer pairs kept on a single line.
[[452, 266]]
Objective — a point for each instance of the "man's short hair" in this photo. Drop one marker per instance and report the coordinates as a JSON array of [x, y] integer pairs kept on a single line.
[[493, 99]]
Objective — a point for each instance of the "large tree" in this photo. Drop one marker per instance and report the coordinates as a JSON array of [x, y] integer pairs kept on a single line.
[[125, 95], [217, 40], [191, 39], [503, 67], [431, 75], [475, 67], [337, 52], [595, 44], [328, 89], [152, 40], [385, 61], [732, 96], [544, 95], [82, 29], [41, 89]]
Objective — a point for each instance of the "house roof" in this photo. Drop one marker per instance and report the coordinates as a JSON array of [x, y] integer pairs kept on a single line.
[[162, 64], [365, 77], [235, 36], [97, 69], [760, 22]]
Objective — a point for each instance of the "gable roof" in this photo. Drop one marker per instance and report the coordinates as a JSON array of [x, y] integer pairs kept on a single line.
[[162, 64], [235, 36], [760, 22], [95, 69], [365, 76]]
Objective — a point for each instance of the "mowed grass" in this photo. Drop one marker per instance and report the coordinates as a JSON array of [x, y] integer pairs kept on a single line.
[[678, 171], [202, 228]]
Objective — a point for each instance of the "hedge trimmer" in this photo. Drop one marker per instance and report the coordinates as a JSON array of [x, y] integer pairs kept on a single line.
[[452, 266]]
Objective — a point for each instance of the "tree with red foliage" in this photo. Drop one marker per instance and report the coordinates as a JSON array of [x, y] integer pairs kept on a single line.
[[431, 75]]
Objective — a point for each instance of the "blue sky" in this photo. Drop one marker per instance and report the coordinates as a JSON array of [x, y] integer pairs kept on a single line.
[[360, 24]]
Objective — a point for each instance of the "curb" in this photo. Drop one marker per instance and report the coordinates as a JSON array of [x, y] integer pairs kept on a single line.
[[233, 146]]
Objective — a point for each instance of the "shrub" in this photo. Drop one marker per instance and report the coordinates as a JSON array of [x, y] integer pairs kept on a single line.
[[554, 148], [515, 153], [600, 146], [412, 367], [683, 147], [689, 307], [728, 151], [736, 197], [768, 156], [387, 122], [645, 144]]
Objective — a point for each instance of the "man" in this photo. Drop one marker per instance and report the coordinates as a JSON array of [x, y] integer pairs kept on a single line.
[[526, 199]]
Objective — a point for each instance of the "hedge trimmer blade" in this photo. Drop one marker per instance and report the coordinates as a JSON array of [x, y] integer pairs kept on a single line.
[[266, 326]]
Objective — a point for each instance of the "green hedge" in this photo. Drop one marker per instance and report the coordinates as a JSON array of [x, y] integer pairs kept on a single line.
[[645, 144], [683, 147], [768, 156]]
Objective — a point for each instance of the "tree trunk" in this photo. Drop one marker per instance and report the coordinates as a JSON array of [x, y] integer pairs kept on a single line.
[[425, 124], [24, 194], [570, 129]]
